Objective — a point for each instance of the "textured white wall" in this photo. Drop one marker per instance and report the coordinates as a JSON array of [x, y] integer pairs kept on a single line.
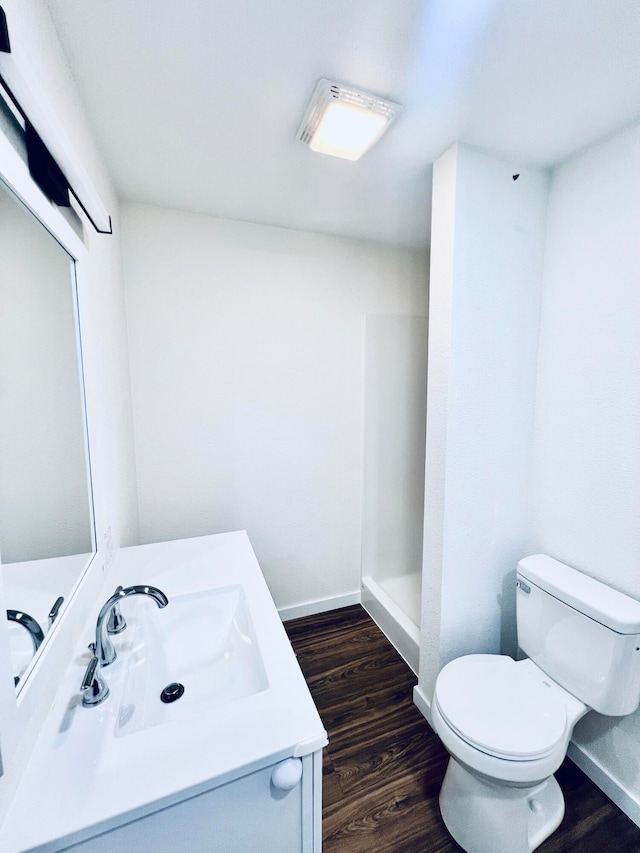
[[586, 488], [487, 255], [246, 347], [443, 234]]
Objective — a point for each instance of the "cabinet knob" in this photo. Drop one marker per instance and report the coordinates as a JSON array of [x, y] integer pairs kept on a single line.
[[286, 774]]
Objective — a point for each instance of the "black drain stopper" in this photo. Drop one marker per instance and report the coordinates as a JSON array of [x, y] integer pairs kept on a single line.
[[172, 692]]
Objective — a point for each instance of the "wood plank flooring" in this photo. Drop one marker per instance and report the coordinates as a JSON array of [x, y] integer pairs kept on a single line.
[[384, 766]]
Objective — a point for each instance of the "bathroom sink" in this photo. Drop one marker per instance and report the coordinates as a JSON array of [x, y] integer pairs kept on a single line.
[[204, 641], [245, 709]]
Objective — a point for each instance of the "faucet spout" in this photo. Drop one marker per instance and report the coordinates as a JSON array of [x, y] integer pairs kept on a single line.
[[28, 622], [32, 626], [105, 651]]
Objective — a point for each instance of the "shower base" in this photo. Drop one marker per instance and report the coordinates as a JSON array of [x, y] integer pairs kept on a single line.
[[394, 605]]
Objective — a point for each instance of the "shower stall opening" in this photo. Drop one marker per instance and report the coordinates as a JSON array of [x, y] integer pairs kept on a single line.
[[395, 353]]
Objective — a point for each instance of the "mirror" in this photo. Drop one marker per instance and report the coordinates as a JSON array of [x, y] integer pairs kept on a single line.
[[46, 511]]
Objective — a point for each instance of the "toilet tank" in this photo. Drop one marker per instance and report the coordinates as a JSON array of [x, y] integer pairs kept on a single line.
[[582, 633]]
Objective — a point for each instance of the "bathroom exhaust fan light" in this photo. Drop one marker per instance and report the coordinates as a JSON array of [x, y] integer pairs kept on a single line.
[[344, 122]]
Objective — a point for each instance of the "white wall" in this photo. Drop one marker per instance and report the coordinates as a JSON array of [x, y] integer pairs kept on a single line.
[[246, 347], [106, 371], [586, 488], [486, 270]]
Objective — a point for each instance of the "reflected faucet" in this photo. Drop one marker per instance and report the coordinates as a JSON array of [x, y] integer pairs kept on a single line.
[[32, 627], [55, 609], [30, 624], [94, 688]]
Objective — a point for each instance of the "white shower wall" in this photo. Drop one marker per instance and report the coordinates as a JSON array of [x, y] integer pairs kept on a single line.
[[393, 474]]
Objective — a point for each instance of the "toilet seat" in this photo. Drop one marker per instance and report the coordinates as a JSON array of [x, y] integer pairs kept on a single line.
[[502, 708]]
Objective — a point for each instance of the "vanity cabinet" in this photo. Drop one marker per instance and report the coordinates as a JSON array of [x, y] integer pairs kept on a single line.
[[247, 815], [234, 766]]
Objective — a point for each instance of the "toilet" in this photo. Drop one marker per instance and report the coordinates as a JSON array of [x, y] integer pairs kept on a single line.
[[507, 724]]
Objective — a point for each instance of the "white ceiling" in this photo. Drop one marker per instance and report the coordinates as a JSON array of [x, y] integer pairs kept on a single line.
[[196, 104]]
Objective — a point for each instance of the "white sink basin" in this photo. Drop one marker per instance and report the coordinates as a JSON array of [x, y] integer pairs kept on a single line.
[[204, 641]]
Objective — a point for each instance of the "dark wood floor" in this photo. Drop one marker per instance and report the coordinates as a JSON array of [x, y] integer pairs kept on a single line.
[[384, 766]]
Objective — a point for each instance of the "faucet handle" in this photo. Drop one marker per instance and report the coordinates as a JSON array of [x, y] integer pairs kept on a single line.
[[94, 688], [53, 613], [116, 622], [89, 675]]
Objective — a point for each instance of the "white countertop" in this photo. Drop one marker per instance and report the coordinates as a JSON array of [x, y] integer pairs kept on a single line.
[[82, 780]]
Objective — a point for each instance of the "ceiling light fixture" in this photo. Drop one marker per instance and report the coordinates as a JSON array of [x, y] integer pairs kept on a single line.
[[343, 121]]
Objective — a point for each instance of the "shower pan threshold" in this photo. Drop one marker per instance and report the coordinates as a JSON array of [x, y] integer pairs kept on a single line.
[[392, 620]]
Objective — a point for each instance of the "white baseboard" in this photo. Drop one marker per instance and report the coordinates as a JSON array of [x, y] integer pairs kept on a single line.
[[322, 605], [422, 703], [626, 800]]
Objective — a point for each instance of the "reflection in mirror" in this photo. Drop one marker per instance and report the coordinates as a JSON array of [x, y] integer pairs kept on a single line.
[[46, 514]]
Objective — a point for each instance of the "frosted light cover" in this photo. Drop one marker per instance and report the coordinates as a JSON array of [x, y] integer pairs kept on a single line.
[[345, 122], [347, 131]]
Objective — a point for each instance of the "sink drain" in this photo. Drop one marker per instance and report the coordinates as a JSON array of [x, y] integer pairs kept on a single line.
[[172, 692]]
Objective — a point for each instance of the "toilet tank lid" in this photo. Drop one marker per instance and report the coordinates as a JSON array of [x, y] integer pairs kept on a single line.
[[611, 608]]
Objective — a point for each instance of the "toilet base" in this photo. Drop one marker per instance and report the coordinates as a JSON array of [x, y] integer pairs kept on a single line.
[[490, 818]]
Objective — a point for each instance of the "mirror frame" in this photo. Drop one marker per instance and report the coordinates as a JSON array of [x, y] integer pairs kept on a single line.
[[26, 708], [80, 560]]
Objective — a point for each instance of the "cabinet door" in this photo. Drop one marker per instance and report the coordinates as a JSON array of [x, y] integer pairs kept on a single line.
[[245, 816]]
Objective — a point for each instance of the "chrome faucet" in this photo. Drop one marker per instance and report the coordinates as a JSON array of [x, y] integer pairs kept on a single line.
[[94, 687], [104, 650], [30, 624], [116, 622]]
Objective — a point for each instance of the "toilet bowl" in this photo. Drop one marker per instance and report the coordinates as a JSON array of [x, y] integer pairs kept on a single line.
[[507, 727], [507, 724], [504, 720]]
